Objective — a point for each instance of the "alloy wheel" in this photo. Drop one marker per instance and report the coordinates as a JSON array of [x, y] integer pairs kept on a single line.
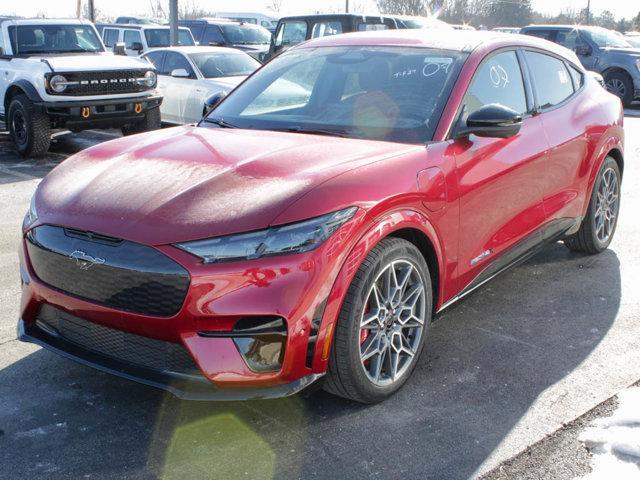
[[617, 87], [392, 323], [606, 205], [19, 127]]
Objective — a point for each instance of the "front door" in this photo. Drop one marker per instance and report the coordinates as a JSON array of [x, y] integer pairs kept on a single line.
[[500, 188]]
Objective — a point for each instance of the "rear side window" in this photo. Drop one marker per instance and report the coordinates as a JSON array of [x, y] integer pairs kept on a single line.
[[324, 29], [577, 76], [110, 36], [366, 27], [551, 80], [497, 80]]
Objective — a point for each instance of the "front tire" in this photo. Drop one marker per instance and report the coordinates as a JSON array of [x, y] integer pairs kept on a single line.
[[621, 85], [29, 127], [150, 122], [599, 224], [382, 326]]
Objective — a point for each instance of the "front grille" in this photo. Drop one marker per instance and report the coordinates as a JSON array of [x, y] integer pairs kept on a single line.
[[103, 83], [116, 344], [108, 271]]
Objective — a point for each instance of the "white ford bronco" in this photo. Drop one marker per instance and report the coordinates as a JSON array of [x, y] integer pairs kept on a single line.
[[56, 74]]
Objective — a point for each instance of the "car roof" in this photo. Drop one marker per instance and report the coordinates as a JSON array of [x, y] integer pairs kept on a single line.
[[562, 27], [46, 21], [455, 40], [214, 21], [315, 16], [138, 26]]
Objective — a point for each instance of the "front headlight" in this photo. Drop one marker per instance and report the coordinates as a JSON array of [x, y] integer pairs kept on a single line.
[[31, 215], [58, 83], [150, 79], [294, 238]]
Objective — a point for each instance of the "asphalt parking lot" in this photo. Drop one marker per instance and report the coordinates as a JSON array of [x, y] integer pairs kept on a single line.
[[512, 363]]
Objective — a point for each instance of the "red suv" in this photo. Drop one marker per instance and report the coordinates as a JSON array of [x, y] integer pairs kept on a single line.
[[310, 227]]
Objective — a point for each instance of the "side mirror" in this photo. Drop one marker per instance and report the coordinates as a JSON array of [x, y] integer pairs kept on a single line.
[[212, 101], [118, 49], [180, 73], [584, 50], [137, 46], [494, 121]]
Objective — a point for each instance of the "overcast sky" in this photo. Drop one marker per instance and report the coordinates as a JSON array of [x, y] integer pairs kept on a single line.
[[62, 8]]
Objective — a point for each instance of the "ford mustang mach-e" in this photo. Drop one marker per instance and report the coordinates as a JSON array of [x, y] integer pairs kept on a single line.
[[289, 240]]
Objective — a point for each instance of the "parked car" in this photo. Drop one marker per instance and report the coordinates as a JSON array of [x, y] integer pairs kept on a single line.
[[599, 50], [267, 21], [462, 27], [218, 32], [296, 29], [507, 29], [188, 75], [57, 75], [140, 20], [139, 39], [269, 248]]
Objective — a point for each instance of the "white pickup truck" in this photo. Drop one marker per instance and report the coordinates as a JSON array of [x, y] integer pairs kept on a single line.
[[56, 74]]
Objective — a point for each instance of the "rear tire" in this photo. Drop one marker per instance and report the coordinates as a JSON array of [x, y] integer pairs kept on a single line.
[[621, 85], [363, 327], [599, 224], [29, 127], [150, 122]]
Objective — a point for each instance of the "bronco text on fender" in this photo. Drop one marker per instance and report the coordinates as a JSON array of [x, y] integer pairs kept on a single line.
[[56, 74]]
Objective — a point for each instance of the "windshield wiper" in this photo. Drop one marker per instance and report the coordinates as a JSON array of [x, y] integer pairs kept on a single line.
[[315, 131], [221, 122]]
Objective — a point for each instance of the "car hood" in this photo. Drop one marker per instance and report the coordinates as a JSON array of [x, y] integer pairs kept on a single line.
[[624, 51], [186, 183], [225, 83], [94, 62]]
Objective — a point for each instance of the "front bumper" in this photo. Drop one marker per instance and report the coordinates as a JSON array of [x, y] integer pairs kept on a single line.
[[105, 113], [184, 386], [294, 288]]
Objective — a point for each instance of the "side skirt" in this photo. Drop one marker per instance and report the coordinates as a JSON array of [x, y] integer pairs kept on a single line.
[[549, 233]]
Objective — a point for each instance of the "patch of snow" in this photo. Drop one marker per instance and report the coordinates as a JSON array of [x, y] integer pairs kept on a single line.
[[615, 441]]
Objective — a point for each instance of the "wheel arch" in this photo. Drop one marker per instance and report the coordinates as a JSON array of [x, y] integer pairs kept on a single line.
[[616, 154], [21, 87], [407, 224]]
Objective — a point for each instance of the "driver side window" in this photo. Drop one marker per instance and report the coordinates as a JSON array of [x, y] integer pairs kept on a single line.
[[497, 80]]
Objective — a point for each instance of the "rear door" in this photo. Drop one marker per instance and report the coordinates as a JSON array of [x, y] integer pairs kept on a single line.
[[500, 187], [566, 117]]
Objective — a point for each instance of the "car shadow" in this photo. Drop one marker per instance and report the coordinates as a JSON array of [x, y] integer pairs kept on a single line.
[[486, 361]]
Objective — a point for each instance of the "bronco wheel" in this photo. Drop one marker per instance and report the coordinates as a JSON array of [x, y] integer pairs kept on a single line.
[[29, 127], [620, 84], [382, 325], [599, 225]]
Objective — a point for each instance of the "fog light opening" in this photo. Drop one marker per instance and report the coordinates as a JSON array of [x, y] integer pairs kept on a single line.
[[261, 342]]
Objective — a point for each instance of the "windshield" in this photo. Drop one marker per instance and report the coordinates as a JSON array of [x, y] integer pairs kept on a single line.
[[245, 34], [381, 93], [606, 38], [214, 65], [161, 37], [634, 41], [32, 39]]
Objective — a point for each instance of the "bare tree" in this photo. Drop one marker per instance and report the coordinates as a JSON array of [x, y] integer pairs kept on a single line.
[[275, 5], [404, 7]]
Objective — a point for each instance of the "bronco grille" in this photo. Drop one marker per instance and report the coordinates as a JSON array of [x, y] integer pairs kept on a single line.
[[108, 271], [103, 83], [123, 346]]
